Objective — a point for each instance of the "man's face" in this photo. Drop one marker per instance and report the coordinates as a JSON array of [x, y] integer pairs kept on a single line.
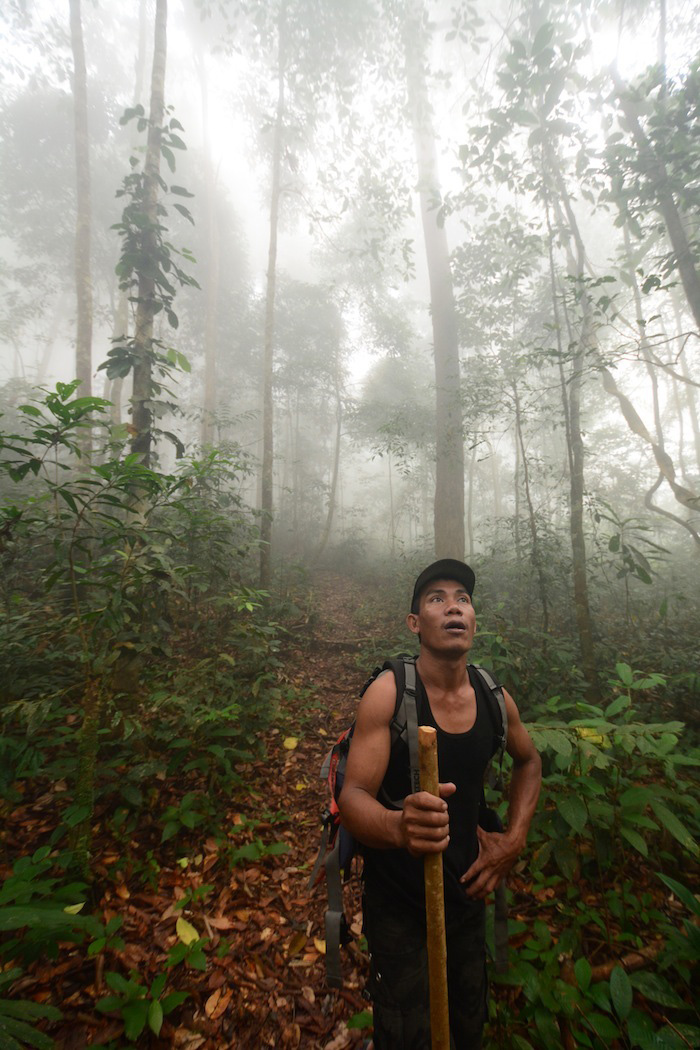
[[445, 619]]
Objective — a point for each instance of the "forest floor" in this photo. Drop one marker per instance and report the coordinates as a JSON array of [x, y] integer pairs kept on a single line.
[[264, 983]]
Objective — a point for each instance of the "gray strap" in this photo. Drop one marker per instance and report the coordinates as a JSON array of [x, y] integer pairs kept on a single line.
[[412, 724], [495, 780], [500, 929], [334, 916]]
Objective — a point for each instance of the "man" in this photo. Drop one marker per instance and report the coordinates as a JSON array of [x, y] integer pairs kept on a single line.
[[452, 698]]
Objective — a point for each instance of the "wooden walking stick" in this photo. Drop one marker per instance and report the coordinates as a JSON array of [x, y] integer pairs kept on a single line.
[[434, 903]]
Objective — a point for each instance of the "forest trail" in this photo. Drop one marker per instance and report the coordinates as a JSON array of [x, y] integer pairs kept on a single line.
[[265, 980], [274, 978]]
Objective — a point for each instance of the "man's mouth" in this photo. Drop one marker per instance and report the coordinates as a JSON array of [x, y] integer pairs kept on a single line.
[[455, 625]]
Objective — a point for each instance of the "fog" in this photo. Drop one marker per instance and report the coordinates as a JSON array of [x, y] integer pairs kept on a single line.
[[446, 271]]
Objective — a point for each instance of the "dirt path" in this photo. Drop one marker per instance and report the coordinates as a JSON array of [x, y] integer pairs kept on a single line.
[[276, 970]]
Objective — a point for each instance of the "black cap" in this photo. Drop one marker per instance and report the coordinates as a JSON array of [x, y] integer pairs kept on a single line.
[[445, 569]]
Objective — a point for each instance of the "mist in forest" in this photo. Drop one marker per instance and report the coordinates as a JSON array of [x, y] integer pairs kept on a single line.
[[429, 273], [295, 297]]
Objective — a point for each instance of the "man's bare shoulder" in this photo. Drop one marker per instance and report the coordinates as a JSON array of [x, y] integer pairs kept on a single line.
[[379, 701]]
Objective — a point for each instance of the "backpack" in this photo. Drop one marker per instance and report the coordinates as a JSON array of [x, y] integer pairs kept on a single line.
[[338, 846]]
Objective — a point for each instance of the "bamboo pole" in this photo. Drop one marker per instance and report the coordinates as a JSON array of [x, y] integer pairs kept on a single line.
[[434, 903]]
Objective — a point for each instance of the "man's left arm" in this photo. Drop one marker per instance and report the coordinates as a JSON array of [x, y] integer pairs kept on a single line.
[[498, 851]]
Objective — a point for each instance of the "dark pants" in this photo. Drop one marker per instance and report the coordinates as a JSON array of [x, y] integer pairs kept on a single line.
[[399, 976]]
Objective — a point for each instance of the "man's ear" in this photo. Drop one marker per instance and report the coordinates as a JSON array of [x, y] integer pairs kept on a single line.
[[412, 623]]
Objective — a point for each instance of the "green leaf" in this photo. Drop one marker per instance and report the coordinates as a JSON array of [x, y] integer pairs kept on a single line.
[[361, 1020], [673, 824], [542, 38], [547, 1027], [573, 810], [621, 992], [26, 1010], [604, 1027], [135, 1015], [635, 840], [524, 116], [617, 705], [657, 989], [158, 986], [173, 1000], [583, 971], [682, 892], [155, 1017], [18, 1034], [170, 829], [640, 1028], [624, 673]]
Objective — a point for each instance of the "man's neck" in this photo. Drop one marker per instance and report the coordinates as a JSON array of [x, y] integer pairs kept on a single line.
[[444, 672]]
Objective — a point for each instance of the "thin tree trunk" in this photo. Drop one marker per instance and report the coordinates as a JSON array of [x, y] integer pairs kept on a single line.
[[470, 503], [213, 270], [571, 395], [266, 497], [83, 280], [392, 522], [536, 553], [336, 470], [690, 392], [449, 445], [142, 413]]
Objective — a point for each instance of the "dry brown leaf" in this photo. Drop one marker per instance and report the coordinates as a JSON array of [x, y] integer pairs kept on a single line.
[[217, 1003], [219, 922]]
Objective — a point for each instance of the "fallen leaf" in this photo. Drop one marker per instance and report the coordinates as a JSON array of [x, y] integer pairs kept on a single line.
[[297, 942], [320, 945], [290, 743], [217, 1002], [220, 923], [186, 931], [73, 909]]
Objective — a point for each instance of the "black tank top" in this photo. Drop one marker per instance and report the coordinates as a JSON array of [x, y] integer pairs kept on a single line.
[[462, 759]]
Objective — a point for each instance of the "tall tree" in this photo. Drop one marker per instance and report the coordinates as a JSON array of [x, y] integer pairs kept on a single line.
[[449, 442], [83, 280], [266, 497], [142, 413]]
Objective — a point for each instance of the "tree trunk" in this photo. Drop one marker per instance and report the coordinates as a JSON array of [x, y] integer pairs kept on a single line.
[[266, 499], [571, 399], [213, 269], [449, 445], [83, 281], [142, 413], [336, 469], [536, 553]]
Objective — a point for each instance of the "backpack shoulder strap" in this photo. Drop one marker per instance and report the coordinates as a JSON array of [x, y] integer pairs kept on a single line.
[[497, 710], [404, 725]]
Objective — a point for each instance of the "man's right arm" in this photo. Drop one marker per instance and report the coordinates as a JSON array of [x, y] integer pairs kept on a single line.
[[422, 825]]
